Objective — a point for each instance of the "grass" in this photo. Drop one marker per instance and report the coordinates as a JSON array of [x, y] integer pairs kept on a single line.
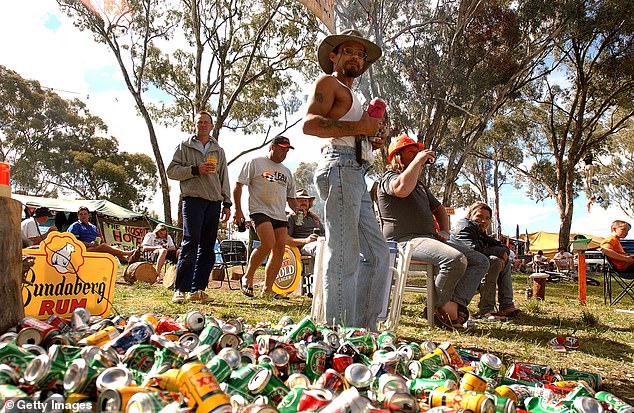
[[606, 335]]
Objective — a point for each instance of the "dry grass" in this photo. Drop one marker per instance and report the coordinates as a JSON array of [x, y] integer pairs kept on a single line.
[[606, 335]]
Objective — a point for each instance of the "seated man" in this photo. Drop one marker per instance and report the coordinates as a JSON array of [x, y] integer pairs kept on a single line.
[[87, 233], [161, 245], [304, 226], [563, 260], [407, 210], [612, 248], [539, 263], [31, 226], [471, 232]]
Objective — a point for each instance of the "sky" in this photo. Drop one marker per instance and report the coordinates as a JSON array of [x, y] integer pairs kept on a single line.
[[41, 43]]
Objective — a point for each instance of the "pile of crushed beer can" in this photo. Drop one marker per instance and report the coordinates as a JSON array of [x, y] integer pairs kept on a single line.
[[197, 363]]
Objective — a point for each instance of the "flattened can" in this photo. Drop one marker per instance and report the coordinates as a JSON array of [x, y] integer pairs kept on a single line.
[[116, 400], [366, 344], [140, 357], [400, 402], [15, 356], [290, 402], [585, 404], [44, 373], [447, 373], [81, 377], [9, 391], [8, 375], [593, 379], [314, 399]]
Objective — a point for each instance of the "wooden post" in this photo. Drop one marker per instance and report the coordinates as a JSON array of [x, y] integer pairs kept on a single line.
[[10, 264], [582, 277]]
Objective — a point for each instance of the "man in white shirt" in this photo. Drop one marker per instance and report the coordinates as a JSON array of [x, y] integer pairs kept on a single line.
[[31, 226], [563, 260]]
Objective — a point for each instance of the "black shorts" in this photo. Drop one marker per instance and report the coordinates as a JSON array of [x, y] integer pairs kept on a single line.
[[261, 218]]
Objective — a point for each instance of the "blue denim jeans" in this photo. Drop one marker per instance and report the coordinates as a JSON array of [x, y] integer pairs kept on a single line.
[[460, 269], [351, 298], [498, 277], [197, 257]]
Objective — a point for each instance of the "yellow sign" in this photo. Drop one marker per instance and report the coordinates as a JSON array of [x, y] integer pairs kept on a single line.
[[287, 278], [65, 276]]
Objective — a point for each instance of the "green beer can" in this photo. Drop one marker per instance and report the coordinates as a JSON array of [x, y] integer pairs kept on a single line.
[[265, 383], [241, 377], [219, 368], [15, 356], [593, 379], [8, 375], [503, 404], [386, 339], [618, 405], [9, 391], [290, 402], [366, 344], [44, 373], [81, 377], [140, 357], [305, 327], [210, 334], [420, 387], [316, 354]]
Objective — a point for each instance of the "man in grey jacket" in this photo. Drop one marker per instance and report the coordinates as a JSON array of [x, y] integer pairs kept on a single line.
[[200, 165]]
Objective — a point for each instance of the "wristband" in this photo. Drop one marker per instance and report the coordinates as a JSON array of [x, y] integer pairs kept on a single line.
[[446, 233]]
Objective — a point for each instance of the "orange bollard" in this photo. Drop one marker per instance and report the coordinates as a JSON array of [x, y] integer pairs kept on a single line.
[[582, 278]]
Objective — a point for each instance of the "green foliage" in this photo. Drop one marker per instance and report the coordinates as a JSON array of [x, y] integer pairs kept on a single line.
[[55, 146], [239, 60]]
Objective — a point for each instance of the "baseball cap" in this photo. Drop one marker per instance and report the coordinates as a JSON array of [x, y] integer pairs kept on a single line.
[[400, 143], [282, 141]]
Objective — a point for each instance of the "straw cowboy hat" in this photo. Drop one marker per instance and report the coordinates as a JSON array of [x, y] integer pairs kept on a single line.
[[331, 42], [303, 194]]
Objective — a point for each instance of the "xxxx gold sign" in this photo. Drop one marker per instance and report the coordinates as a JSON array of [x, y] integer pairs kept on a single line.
[[288, 276], [66, 276]]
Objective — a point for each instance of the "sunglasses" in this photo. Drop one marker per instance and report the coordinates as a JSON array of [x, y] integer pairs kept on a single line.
[[351, 51]]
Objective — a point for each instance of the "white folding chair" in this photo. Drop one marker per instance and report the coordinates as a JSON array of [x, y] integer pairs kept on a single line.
[[406, 267]]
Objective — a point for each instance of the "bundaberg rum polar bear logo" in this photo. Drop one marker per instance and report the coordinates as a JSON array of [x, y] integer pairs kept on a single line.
[[61, 258]]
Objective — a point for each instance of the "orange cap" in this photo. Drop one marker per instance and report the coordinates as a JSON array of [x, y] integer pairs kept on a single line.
[[400, 143]]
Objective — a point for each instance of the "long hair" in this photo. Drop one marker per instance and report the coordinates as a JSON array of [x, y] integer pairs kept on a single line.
[[476, 207], [397, 163]]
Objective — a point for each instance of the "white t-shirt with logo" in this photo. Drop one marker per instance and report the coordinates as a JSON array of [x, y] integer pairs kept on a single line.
[[270, 184]]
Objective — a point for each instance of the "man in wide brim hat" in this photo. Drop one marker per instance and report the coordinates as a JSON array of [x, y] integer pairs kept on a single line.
[[330, 43], [303, 194]]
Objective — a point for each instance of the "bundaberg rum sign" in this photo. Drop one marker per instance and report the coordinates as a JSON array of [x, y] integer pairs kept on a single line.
[[66, 276]]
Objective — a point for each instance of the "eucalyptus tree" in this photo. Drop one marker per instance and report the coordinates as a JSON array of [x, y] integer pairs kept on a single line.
[[449, 66], [57, 147], [615, 171], [131, 29], [590, 101], [243, 60]]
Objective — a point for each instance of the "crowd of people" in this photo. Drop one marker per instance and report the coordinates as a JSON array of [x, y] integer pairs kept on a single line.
[[466, 260]]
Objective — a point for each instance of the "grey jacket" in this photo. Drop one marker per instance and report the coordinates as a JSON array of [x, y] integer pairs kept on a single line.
[[212, 187]]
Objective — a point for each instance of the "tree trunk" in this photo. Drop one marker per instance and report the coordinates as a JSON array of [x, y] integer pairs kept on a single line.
[[11, 264], [565, 204]]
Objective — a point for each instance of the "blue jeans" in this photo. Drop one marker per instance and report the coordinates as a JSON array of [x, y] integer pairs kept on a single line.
[[460, 269], [499, 276], [197, 258], [351, 299]]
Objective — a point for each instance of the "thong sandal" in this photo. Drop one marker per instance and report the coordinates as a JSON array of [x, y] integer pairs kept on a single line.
[[245, 289], [442, 319]]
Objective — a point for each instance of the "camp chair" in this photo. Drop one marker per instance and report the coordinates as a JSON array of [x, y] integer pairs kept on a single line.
[[233, 253], [623, 279]]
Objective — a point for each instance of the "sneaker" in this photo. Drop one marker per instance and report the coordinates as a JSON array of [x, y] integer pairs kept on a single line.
[[178, 297], [199, 296]]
